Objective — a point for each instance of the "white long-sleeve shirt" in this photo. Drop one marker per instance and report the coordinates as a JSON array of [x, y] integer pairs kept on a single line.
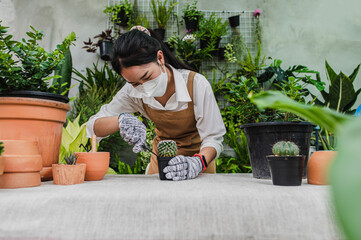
[[210, 125]]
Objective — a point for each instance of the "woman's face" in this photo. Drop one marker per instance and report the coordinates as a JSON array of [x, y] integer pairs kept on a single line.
[[137, 75]]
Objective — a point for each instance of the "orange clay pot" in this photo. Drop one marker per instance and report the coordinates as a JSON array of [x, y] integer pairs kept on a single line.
[[68, 174], [34, 119], [20, 180], [1, 165], [318, 167], [97, 164]]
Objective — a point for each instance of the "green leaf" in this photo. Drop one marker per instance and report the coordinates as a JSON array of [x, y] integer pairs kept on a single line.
[[341, 92], [354, 73], [330, 73], [345, 180]]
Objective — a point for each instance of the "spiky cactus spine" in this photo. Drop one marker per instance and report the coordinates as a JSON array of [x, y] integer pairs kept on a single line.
[[167, 148], [71, 158], [285, 148]]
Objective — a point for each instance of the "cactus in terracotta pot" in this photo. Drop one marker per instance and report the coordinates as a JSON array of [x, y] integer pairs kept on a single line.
[[167, 148], [69, 173], [71, 158], [285, 148]]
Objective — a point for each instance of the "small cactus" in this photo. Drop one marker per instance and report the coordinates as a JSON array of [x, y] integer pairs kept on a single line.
[[285, 148], [71, 158], [1, 148], [167, 148]]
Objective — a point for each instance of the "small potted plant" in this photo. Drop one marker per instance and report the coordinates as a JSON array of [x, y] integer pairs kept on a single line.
[[1, 159], [69, 173], [192, 16], [286, 165], [105, 44], [121, 14], [167, 149], [211, 31], [162, 14]]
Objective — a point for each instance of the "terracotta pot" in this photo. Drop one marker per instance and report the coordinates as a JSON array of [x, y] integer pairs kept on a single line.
[[20, 147], [68, 174], [20, 180], [97, 164], [22, 163], [34, 119], [2, 163], [318, 167]]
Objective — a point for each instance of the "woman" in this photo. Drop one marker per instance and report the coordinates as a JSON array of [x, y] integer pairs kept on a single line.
[[180, 102]]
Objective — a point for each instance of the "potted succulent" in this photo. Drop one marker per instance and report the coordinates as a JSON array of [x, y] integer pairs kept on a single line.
[[286, 165], [2, 162], [192, 16], [167, 149], [30, 109], [69, 173], [105, 44], [161, 14], [121, 14], [211, 31]]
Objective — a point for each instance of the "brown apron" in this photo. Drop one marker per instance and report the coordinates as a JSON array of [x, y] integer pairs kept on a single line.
[[179, 126]]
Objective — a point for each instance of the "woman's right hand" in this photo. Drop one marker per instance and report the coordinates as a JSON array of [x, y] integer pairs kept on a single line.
[[133, 131]]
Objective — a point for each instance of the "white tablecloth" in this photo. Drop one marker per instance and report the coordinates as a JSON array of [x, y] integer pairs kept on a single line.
[[212, 206]]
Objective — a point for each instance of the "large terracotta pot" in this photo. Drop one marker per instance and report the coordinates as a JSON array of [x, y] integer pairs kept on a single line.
[[68, 174], [1, 165], [318, 167], [22, 164], [97, 164], [35, 119]]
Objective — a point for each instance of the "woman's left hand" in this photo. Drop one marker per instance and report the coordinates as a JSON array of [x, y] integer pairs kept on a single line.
[[182, 168]]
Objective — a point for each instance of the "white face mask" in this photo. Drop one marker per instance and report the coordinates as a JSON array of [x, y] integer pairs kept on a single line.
[[155, 87]]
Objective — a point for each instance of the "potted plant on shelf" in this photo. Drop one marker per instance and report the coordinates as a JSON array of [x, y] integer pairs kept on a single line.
[[30, 109], [69, 173], [162, 14], [121, 14], [105, 44], [167, 149], [192, 16], [286, 165], [211, 31]]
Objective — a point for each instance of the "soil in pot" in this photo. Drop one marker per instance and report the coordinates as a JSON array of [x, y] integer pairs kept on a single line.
[[105, 48], [162, 163], [286, 170], [318, 167], [97, 164], [68, 174], [262, 136]]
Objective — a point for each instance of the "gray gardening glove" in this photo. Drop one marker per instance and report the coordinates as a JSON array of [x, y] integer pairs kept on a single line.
[[133, 131], [182, 168]]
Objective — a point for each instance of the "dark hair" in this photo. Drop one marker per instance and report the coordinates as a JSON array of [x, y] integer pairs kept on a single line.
[[136, 48]]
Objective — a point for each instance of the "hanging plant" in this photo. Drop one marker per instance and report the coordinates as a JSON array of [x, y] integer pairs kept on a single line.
[[258, 30]]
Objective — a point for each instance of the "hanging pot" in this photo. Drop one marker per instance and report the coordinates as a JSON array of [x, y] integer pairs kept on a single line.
[[160, 32], [122, 18], [318, 167], [192, 24], [286, 170], [234, 21], [40, 120], [105, 48], [262, 136], [204, 43]]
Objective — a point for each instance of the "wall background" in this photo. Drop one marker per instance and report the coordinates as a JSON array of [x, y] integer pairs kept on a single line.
[[298, 32]]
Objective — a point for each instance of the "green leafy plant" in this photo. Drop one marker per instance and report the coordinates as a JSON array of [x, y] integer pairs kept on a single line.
[[64, 71], [190, 11], [71, 158], [285, 148], [167, 148], [73, 136], [1, 148], [211, 29], [25, 65], [345, 177], [106, 35], [123, 8], [161, 13]]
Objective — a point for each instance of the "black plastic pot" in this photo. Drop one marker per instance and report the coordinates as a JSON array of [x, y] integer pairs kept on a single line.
[[221, 53], [262, 136], [192, 24], [234, 21], [35, 94], [162, 163], [122, 18], [105, 48], [286, 170], [160, 32]]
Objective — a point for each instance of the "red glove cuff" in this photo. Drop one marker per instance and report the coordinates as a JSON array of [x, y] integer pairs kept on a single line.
[[203, 160]]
